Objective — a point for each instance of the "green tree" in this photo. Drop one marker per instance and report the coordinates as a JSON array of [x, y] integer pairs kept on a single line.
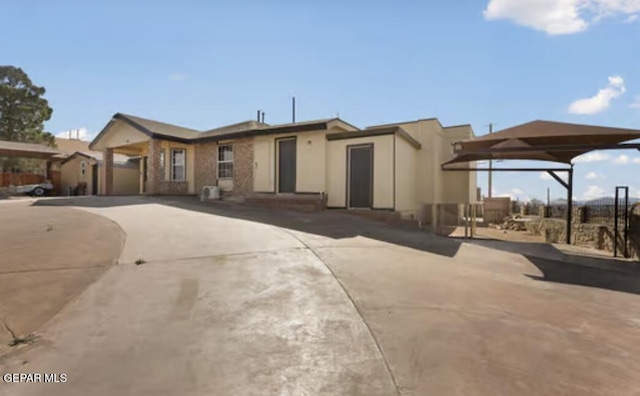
[[23, 110]]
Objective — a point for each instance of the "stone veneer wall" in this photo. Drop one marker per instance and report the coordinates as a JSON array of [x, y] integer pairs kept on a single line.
[[107, 177], [205, 163], [304, 203], [154, 175], [243, 163], [597, 236], [172, 188]]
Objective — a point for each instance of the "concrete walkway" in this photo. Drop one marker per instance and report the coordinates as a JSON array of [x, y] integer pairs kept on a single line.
[[242, 301]]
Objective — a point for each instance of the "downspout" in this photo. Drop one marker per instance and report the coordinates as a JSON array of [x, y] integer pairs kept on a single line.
[[394, 172]]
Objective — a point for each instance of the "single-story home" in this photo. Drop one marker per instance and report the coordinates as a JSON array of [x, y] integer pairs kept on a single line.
[[394, 167], [76, 165], [82, 168]]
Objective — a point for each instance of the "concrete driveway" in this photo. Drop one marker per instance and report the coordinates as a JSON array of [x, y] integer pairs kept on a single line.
[[48, 256], [241, 301]]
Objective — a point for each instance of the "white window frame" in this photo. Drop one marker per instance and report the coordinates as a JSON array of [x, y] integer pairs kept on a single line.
[[83, 168], [175, 165], [224, 161]]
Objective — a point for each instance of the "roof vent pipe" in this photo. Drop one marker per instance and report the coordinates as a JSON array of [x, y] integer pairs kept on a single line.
[[293, 109], [262, 120], [258, 117]]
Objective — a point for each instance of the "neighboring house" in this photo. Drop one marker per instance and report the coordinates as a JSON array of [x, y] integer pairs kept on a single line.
[[392, 167], [78, 164], [83, 167]]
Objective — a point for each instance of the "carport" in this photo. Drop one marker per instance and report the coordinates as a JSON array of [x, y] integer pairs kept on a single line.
[[541, 141], [29, 150]]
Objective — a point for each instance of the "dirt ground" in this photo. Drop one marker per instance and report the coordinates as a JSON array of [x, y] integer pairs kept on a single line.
[[49, 256], [503, 235]]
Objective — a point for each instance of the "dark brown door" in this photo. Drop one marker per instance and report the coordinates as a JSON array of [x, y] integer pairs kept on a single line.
[[145, 173], [94, 179], [360, 162], [287, 165]]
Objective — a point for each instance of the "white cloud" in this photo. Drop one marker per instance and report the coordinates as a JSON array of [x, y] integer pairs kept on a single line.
[[559, 16], [594, 192], [591, 175], [514, 194], [621, 159], [636, 103], [632, 18], [593, 156], [77, 133], [600, 101], [547, 176], [178, 77]]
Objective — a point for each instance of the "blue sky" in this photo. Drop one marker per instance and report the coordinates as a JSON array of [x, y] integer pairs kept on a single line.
[[203, 64]]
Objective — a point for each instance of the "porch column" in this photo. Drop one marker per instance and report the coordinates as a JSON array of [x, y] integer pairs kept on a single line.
[[107, 165], [154, 176]]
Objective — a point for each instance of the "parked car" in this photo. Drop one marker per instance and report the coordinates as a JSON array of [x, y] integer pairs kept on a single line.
[[36, 190]]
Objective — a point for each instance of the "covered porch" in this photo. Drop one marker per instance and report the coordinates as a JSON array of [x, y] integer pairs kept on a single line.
[[166, 160]]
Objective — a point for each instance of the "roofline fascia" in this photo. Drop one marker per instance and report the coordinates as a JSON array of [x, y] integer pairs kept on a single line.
[[338, 119], [102, 132], [390, 124], [263, 132], [373, 132], [549, 149], [76, 153]]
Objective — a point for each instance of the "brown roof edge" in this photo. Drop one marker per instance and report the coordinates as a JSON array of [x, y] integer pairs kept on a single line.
[[102, 132], [403, 122], [287, 128], [137, 126], [72, 155], [151, 134], [391, 130], [346, 123]]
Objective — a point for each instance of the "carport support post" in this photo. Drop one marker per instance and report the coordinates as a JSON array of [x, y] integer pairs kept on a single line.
[[569, 204], [434, 219], [107, 164], [467, 212], [569, 186]]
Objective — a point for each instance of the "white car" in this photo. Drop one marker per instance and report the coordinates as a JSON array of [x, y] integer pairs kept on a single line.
[[37, 190]]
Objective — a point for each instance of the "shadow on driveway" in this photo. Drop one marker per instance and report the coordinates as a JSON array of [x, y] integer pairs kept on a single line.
[[556, 265], [328, 224], [573, 268]]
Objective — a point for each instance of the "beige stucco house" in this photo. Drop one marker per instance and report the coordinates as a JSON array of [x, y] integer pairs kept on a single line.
[[84, 167], [78, 165], [394, 167]]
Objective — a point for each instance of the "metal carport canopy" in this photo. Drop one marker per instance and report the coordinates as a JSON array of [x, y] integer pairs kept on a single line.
[[27, 150], [541, 141]]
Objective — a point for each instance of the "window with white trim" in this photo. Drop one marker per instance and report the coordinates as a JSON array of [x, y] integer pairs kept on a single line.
[[83, 168], [178, 162], [225, 161]]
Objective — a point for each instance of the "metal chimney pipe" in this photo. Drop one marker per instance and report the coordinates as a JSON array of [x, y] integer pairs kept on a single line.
[[262, 120], [293, 109], [258, 117]]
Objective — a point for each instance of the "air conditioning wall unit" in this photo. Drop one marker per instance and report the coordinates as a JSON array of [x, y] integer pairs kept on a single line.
[[210, 193]]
